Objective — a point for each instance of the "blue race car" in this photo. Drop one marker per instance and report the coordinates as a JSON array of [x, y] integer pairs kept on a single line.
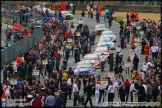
[[84, 68]]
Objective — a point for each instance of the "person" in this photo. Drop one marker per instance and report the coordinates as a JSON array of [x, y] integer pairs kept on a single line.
[[97, 17], [49, 69], [147, 50], [135, 62], [143, 43], [63, 97], [70, 74], [59, 101], [135, 91], [50, 100], [141, 93], [111, 91], [83, 13], [5, 76], [122, 40], [88, 93], [127, 87], [37, 102], [69, 84], [102, 87], [97, 94], [149, 92], [67, 53], [110, 20], [7, 90], [102, 60], [65, 63], [128, 34], [122, 92], [77, 54], [131, 90], [80, 24], [118, 49], [65, 91], [127, 17], [76, 92], [10, 68], [111, 61], [155, 92], [154, 51]]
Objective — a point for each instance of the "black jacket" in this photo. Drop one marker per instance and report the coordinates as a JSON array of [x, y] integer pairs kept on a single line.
[[49, 67], [155, 91], [141, 91], [89, 90]]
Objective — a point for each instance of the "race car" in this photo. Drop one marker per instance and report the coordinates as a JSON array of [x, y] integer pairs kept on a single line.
[[109, 34], [67, 15], [105, 42], [83, 68], [93, 58], [99, 28], [100, 50]]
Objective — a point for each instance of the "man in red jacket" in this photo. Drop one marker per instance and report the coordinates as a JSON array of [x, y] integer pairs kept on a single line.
[[127, 86], [37, 102]]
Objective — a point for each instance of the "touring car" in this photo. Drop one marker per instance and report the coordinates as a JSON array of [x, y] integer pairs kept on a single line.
[[105, 42], [67, 15], [99, 28], [109, 34], [83, 68], [100, 50], [93, 58]]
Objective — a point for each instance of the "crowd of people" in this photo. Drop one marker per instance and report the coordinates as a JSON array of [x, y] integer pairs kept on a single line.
[[54, 91]]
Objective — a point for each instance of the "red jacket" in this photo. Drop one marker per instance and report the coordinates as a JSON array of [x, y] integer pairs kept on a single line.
[[66, 34], [37, 103], [127, 84], [56, 53]]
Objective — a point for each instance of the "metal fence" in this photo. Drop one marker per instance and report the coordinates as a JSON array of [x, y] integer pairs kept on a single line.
[[20, 47]]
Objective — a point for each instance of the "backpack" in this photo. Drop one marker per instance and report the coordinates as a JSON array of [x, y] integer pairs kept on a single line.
[[37, 103]]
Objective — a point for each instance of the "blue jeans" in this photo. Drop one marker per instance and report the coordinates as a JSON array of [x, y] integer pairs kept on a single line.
[[4, 80], [148, 97]]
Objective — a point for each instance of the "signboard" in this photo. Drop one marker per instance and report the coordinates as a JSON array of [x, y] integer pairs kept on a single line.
[[141, 32], [131, 53], [74, 19], [133, 24], [77, 33], [127, 64], [72, 30], [104, 82], [71, 4], [138, 27], [44, 62], [139, 46], [60, 52], [111, 74], [69, 40], [13, 81], [69, 46], [36, 72]]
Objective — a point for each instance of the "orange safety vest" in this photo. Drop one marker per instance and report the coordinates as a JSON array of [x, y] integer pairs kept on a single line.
[[18, 6], [53, 7], [147, 49]]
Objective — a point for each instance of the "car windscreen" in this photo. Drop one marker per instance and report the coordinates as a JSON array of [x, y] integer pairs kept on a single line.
[[100, 50], [84, 65], [105, 40], [107, 33], [90, 58], [100, 26]]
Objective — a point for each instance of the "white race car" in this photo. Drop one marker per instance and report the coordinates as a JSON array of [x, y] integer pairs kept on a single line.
[[109, 34], [105, 42]]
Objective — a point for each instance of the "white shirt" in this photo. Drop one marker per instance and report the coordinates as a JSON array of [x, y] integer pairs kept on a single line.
[[80, 22], [144, 67], [131, 88], [75, 88], [111, 88], [102, 58], [118, 49], [157, 48], [145, 87], [7, 89], [149, 63], [69, 81], [159, 88], [153, 49], [132, 55], [97, 91], [142, 75]]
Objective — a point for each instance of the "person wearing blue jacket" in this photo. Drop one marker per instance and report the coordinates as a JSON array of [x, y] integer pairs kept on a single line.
[[97, 17], [15, 32], [67, 53], [20, 70], [59, 101], [5, 76]]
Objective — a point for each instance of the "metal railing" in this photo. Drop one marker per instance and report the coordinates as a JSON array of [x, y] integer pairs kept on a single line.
[[20, 47]]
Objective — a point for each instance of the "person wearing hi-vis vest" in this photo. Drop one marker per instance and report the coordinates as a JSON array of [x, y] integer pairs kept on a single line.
[[97, 94]]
